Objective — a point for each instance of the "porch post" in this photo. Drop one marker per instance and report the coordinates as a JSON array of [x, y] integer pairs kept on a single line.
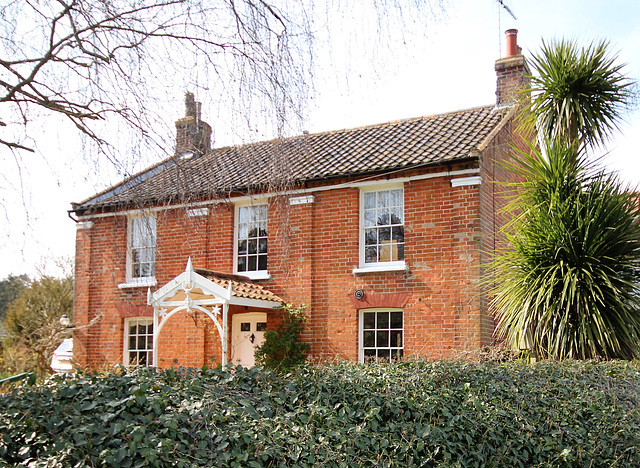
[[155, 337], [225, 327]]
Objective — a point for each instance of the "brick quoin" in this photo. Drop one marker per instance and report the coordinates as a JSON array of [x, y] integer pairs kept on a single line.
[[451, 233]]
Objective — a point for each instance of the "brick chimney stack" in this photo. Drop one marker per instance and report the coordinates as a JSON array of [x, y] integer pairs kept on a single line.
[[192, 134], [512, 71]]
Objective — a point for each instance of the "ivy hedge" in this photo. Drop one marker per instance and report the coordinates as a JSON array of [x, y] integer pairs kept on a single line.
[[407, 414]]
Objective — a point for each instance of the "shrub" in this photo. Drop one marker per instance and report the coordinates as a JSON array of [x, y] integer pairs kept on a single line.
[[448, 414], [282, 348]]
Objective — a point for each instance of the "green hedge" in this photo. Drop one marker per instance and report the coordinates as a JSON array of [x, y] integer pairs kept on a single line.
[[407, 414]]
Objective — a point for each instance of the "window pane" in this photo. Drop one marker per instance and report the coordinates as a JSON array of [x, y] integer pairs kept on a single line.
[[243, 214], [243, 231], [398, 234], [384, 234], [369, 200], [252, 246], [262, 229], [400, 251], [370, 218], [262, 245], [261, 326], [396, 215], [369, 320], [383, 320], [396, 320], [251, 263], [368, 339], [245, 326], [383, 217], [397, 196], [386, 252], [383, 355], [262, 262], [242, 247], [396, 339], [382, 339], [370, 254], [132, 342], [242, 263], [383, 199], [371, 236]]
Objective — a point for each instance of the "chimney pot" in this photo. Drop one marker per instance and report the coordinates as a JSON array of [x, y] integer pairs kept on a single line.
[[512, 42]]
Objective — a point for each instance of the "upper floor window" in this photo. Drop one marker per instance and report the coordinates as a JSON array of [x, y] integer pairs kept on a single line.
[[251, 241], [382, 227], [142, 247]]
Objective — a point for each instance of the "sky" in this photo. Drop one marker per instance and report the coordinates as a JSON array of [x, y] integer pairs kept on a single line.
[[450, 68]]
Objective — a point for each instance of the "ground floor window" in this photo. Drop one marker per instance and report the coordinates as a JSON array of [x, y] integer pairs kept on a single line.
[[381, 335], [138, 342]]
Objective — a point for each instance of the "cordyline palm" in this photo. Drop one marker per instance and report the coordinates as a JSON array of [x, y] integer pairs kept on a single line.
[[567, 283], [577, 94]]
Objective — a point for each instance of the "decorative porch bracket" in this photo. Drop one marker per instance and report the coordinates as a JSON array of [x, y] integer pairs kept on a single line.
[[191, 292]]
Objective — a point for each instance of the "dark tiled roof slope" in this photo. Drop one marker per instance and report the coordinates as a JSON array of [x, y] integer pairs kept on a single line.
[[373, 149]]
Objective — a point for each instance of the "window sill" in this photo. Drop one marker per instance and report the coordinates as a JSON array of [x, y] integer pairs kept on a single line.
[[381, 268], [255, 275], [138, 283]]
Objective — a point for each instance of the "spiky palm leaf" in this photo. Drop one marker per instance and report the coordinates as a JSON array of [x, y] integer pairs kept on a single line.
[[578, 94], [567, 285]]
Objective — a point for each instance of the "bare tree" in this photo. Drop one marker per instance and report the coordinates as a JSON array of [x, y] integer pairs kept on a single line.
[[96, 60]]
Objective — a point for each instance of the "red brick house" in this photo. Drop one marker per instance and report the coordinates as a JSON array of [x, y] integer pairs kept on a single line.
[[382, 231]]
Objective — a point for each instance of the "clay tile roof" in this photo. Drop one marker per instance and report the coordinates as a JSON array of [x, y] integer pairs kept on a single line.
[[374, 149], [241, 286]]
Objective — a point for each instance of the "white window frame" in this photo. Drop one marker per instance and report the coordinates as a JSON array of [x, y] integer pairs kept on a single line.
[[382, 266], [128, 322], [254, 274], [361, 329], [141, 281]]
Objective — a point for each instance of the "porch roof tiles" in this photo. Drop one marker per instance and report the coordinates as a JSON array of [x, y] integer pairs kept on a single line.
[[241, 286]]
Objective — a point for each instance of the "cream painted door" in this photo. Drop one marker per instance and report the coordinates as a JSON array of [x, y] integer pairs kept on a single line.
[[247, 333]]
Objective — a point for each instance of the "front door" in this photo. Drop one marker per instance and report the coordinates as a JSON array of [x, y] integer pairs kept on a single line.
[[247, 333]]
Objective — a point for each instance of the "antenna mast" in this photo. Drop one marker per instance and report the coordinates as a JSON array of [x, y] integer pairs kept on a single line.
[[508, 10]]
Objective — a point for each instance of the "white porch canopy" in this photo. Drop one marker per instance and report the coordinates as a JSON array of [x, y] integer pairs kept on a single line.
[[191, 291]]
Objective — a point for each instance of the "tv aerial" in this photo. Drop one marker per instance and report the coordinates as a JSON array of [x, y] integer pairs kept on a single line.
[[503, 6]]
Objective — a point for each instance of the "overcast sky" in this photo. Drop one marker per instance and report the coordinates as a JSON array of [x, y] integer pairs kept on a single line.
[[452, 69]]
